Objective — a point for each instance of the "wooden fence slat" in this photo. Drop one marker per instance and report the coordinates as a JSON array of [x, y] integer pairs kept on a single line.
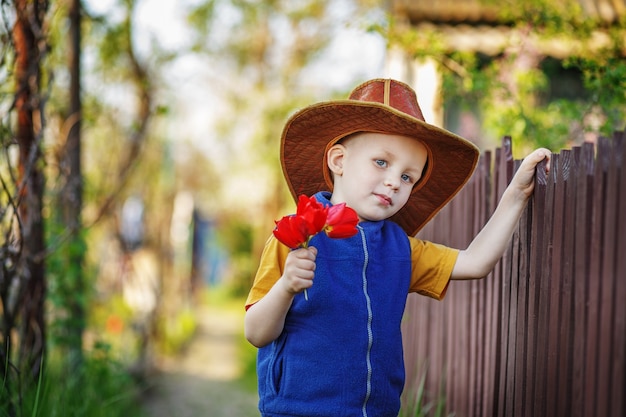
[[472, 368], [607, 300], [603, 299], [491, 306], [450, 358], [488, 356], [543, 303], [595, 255], [536, 251], [583, 206], [465, 358], [510, 317], [450, 354], [492, 325], [436, 345], [618, 382], [522, 316], [502, 279], [566, 324], [512, 260], [481, 296], [555, 268]]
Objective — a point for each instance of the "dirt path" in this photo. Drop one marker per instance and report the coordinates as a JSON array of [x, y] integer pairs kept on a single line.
[[203, 380]]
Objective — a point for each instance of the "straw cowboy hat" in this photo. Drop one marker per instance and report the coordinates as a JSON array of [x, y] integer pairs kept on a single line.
[[381, 106]]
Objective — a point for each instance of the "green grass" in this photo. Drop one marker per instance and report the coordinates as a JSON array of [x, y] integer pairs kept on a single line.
[[101, 387], [415, 404]]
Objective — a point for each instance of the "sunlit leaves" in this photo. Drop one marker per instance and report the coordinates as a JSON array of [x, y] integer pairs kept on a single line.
[[509, 90]]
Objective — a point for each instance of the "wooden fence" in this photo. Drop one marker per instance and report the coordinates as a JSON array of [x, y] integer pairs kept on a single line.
[[545, 333]]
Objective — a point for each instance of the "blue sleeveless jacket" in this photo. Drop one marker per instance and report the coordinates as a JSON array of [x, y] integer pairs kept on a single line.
[[340, 353]]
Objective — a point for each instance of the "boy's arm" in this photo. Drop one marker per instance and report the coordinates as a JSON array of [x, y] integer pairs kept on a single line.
[[489, 245], [265, 319]]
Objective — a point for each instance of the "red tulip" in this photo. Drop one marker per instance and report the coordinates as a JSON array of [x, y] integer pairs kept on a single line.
[[292, 231], [341, 222], [313, 212], [338, 221]]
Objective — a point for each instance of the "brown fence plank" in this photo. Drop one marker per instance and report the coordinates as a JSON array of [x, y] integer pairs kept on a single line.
[[522, 316], [453, 331], [464, 358], [537, 205], [481, 193], [594, 256], [543, 301], [564, 382], [474, 371], [618, 382], [512, 275], [607, 301], [510, 317], [553, 268], [490, 323], [504, 169], [583, 206]]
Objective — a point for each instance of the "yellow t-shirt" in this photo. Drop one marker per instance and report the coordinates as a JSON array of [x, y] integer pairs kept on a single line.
[[431, 270]]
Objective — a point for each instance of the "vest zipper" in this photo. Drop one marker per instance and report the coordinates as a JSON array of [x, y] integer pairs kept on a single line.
[[370, 338]]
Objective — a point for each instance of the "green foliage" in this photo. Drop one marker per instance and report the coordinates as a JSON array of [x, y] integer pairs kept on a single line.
[[68, 292], [201, 15], [100, 388], [237, 236], [605, 79], [511, 97], [114, 323], [259, 33], [176, 331], [563, 16]]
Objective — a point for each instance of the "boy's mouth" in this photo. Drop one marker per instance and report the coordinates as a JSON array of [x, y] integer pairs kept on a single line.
[[386, 201]]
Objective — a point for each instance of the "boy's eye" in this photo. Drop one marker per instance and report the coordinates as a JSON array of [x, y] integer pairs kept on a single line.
[[381, 163]]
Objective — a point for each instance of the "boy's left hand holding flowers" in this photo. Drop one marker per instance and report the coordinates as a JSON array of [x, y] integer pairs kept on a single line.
[[295, 231]]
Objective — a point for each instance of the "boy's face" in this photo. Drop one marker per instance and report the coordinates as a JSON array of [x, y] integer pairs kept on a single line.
[[374, 173]]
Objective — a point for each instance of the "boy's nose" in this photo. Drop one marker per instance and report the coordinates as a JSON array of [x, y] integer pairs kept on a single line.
[[391, 183]]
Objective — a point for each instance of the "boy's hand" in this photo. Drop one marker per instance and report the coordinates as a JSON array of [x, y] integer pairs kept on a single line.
[[488, 246], [299, 270], [523, 180]]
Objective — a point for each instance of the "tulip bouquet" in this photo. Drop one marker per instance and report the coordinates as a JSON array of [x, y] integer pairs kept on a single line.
[[295, 231]]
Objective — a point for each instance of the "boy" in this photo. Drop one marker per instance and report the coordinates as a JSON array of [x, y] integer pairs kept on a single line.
[[339, 353]]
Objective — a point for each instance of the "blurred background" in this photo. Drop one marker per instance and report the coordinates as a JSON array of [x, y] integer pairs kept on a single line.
[[140, 172]]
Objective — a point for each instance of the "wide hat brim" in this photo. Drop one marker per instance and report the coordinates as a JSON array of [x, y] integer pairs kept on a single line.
[[310, 131]]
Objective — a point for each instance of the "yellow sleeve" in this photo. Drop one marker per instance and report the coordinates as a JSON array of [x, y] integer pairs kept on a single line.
[[432, 266], [269, 271]]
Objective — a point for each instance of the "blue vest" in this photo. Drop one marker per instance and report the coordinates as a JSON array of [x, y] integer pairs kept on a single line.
[[340, 353]]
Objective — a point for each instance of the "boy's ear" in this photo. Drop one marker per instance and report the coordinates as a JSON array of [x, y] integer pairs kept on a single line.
[[334, 158]]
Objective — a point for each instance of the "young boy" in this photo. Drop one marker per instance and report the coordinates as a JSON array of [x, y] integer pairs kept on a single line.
[[339, 352]]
